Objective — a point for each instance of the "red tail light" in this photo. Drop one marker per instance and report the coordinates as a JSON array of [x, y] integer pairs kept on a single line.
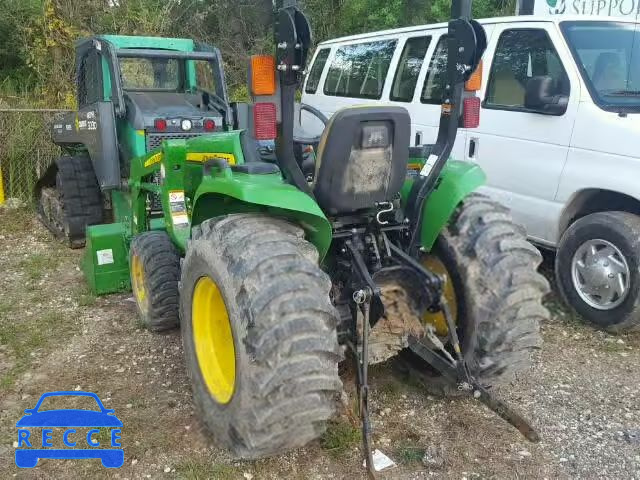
[[209, 125], [471, 112], [160, 124], [264, 121]]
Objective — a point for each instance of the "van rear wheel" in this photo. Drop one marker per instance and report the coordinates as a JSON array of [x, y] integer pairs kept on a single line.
[[598, 270]]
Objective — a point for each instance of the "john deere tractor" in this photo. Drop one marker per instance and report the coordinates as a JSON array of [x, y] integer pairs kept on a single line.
[[278, 267]]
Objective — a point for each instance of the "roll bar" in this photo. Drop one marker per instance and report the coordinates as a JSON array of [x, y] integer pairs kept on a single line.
[[466, 42]]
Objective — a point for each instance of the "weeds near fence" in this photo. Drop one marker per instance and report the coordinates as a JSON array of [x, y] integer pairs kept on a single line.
[[26, 150]]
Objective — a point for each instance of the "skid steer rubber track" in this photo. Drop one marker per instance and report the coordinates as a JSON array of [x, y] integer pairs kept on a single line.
[[70, 199]]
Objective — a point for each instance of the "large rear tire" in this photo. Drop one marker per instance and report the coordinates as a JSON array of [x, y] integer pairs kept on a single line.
[[69, 199], [259, 334], [496, 295]]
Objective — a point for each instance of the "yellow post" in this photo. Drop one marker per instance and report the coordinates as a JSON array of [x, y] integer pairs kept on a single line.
[[1, 189]]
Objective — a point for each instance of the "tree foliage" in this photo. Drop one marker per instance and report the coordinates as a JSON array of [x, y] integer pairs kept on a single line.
[[37, 36]]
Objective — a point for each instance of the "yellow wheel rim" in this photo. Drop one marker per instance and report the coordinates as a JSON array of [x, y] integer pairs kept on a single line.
[[137, 283], [213, 340], [434, 264]]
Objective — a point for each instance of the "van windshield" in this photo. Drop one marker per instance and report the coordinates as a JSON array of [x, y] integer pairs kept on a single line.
[[608, 55]]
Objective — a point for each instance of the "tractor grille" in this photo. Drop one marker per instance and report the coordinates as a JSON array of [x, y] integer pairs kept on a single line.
[[155, 139]]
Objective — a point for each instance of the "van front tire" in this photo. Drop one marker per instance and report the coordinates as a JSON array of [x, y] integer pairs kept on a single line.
[[598, 270]]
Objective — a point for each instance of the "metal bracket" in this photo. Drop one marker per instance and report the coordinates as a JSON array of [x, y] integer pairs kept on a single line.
[[362, 298], [457, 372]]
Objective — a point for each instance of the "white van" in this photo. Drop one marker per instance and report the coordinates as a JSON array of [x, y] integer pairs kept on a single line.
[[567, 166]]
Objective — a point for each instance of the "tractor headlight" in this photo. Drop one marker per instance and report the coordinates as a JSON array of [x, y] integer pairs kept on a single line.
[[186, 124]]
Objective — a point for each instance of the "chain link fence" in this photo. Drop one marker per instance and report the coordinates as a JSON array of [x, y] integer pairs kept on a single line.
[[26, 150]]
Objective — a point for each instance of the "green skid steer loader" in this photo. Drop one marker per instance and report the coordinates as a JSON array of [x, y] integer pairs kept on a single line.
[[273, 270]]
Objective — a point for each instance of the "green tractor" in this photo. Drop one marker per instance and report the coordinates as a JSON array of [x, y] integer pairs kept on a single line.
[[276, 269]]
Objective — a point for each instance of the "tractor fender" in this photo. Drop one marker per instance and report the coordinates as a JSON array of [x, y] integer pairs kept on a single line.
[[457, 180], [230, 192]]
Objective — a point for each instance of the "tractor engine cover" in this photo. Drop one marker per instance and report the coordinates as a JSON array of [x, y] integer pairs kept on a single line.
[[405, 301]]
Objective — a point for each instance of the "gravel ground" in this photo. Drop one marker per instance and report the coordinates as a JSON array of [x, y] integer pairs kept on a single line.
[[582, 393]]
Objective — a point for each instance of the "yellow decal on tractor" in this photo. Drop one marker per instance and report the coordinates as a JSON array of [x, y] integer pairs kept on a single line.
[[201, 157], [153, 159]]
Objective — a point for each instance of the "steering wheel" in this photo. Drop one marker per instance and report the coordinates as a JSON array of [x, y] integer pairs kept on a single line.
[[314, 141]]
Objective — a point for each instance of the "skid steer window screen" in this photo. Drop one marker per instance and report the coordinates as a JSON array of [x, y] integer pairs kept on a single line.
[[89, 79], [406, 78], [359, 71], [150, 73], [205, 77]]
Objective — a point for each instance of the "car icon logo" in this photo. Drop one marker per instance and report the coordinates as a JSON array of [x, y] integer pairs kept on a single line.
[[68, 426]]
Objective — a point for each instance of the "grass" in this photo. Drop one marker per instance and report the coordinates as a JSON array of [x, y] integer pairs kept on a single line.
[[6, 307], [560, 311], [408, 454], [83, 296], [391, 388], [340, 438], [15, 221], [201, 470], [25, 338], [103, 437], [37, 264]]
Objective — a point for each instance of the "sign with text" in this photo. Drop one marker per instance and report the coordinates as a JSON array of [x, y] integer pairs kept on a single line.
[[628, 9]]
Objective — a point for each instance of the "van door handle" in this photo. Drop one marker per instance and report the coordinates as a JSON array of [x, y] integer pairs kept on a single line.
[[473, 148], [418, 139]]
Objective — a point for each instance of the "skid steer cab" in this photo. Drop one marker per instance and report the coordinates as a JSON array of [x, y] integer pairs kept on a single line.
[[133, 93], [276, 265]]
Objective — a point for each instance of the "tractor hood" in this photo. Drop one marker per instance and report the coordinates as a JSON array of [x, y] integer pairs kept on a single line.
[[144, 107]]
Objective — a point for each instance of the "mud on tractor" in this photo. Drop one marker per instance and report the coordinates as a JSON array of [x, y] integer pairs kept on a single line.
[[276, 269]]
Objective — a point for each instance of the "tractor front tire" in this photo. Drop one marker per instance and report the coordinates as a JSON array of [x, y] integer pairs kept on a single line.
[[497, 295], [259, 334], [69, 199], [154, 264]]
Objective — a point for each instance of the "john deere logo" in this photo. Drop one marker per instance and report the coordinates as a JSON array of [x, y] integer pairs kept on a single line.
[[556, 7]]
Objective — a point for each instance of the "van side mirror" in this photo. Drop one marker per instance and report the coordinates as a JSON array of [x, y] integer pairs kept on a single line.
[[541, 96]]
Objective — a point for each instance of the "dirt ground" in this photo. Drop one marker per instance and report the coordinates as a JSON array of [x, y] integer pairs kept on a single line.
[[583, 393]]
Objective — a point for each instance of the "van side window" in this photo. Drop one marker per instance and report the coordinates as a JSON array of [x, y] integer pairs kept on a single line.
[[359, 71], [404, 82], [316, 71], [433, 88], [522, 54]]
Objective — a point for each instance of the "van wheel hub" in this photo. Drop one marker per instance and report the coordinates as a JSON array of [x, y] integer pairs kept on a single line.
[[600, 274]]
